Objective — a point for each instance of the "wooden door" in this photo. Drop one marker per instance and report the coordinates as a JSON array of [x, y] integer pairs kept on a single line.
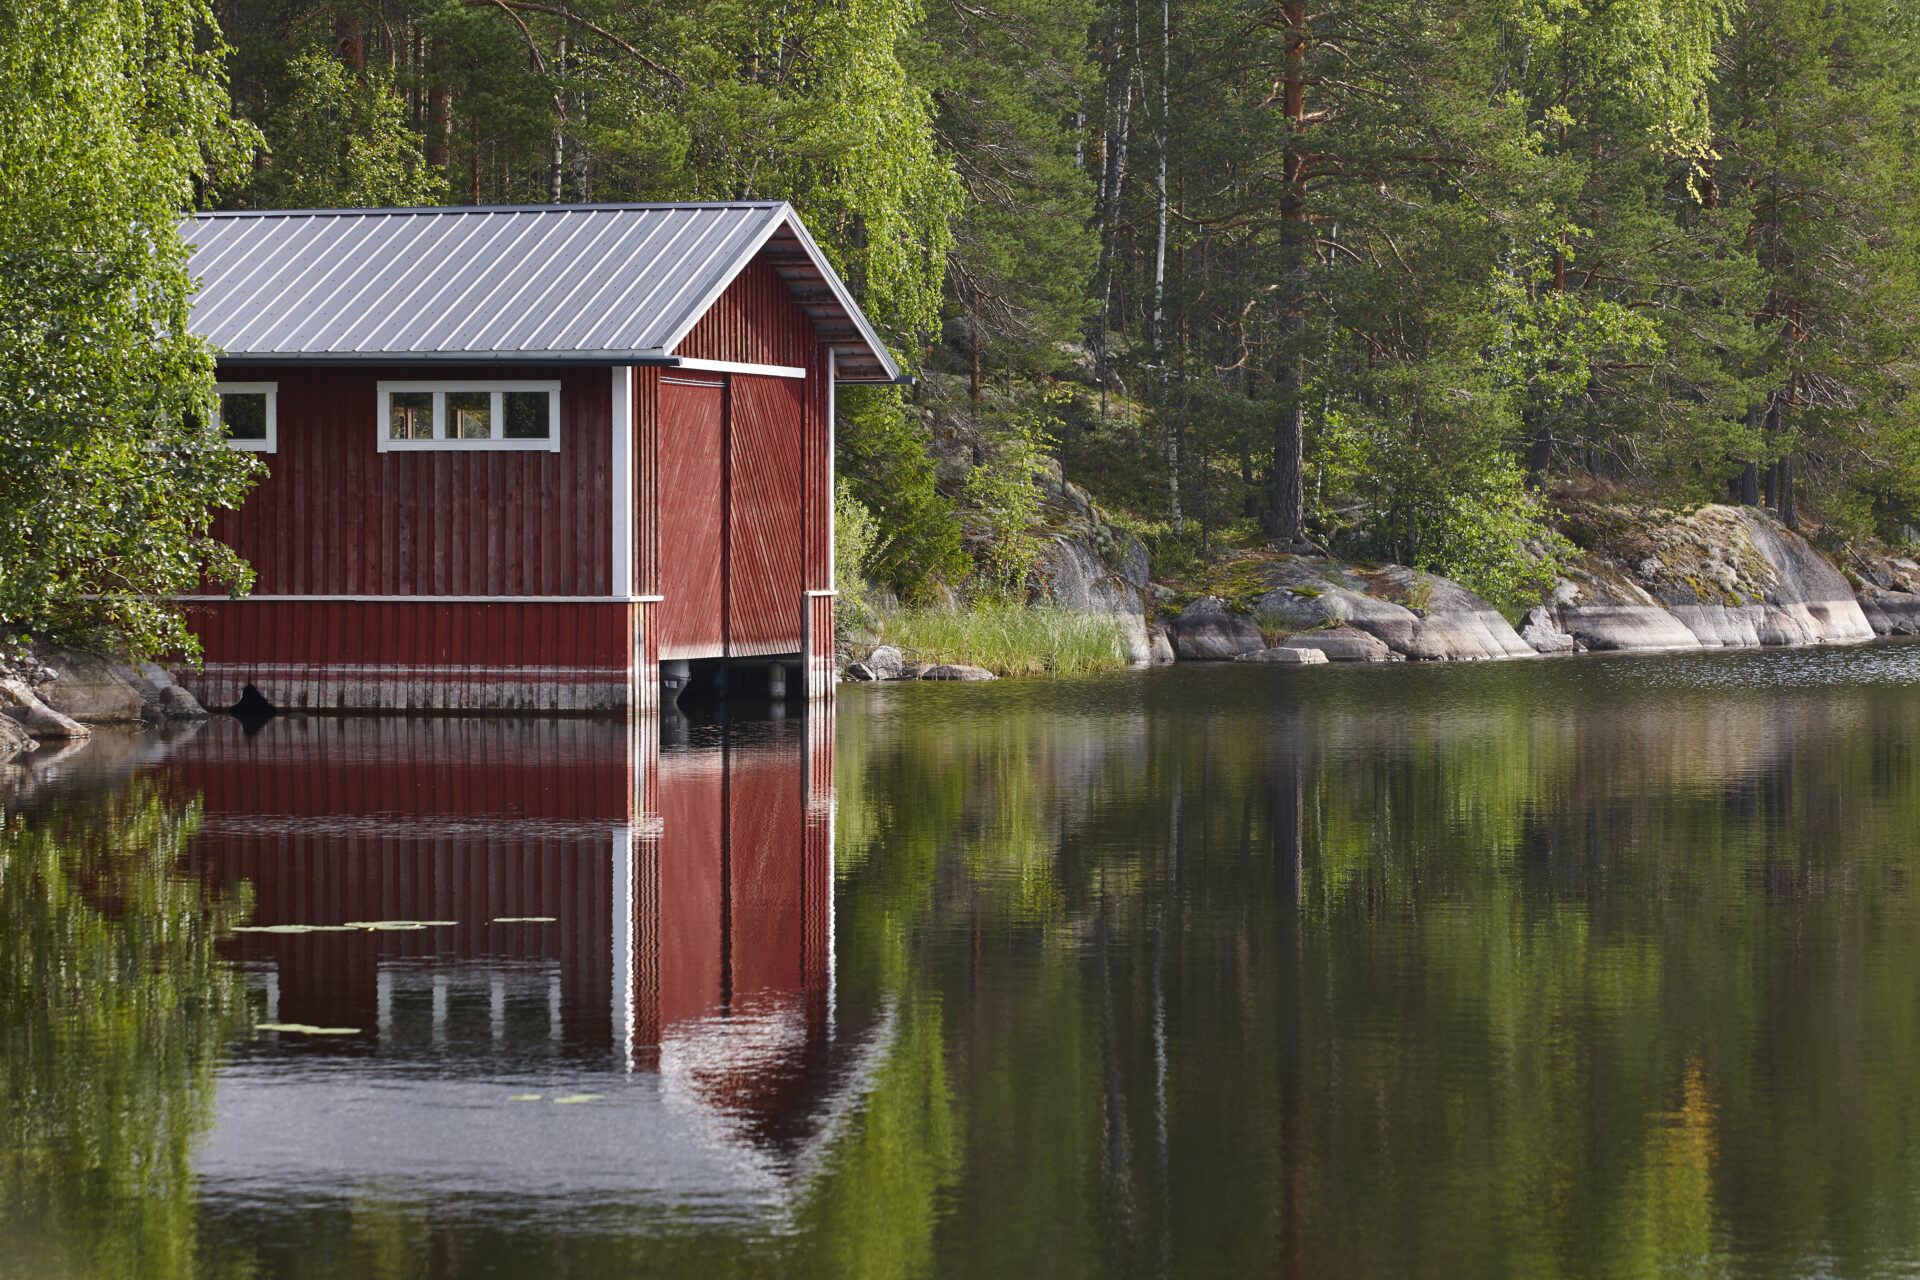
[[692, 507]]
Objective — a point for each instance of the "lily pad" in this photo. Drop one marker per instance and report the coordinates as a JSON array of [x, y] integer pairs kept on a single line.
[[397, 924], [577, 1097], [523, 919], [306, 1028], [290, 928]]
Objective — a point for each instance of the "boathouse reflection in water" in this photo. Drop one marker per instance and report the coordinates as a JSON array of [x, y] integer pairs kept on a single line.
[[616, 910]]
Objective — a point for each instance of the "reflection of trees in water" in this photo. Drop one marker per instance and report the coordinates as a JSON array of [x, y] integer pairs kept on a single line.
[[113, 1010], [1545, 978]]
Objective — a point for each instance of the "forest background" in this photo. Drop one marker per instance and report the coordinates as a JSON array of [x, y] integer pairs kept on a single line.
[[1385, 275]]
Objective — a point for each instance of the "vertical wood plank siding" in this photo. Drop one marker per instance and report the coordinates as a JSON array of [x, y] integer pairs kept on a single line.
[[473, 820], [416, 655], [732, 490], [691, 515], [334, 516], [817, 430], [765, 509], [756, 321]]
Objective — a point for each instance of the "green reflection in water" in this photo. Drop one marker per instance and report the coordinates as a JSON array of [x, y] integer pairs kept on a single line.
[[1563, 969], [1558, 969], [113, 1009]]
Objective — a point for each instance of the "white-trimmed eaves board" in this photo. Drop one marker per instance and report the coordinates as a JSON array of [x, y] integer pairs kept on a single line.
[[622, 283]]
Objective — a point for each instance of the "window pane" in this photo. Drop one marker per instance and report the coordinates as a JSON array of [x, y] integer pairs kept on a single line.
[[244, 414], [526, 414], [469, 415], [411, 416]]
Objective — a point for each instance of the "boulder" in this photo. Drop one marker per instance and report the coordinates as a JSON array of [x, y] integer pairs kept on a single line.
[[86, 688], [1162, 652], [859, 671], [1540, 630], [1453, 625], [159, 694], [1891, 613], [24, 707], [1284, 654], [885, 662], [1207, 631], [1139, 642], [956, 671], [1604, 627], [14, 739], [1345, 644]]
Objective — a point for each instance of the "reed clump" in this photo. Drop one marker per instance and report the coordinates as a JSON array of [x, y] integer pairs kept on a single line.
[[1009, 639]]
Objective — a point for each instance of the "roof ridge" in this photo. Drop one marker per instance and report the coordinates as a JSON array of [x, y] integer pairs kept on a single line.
[[435, 209]]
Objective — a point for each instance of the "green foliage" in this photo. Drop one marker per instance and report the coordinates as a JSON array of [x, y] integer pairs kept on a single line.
[[114, 1008], [854, 535], [1005, 501], [884, 459], [1009, 638], [107, 478], [335, 143], [1005, 87], [713, 100]]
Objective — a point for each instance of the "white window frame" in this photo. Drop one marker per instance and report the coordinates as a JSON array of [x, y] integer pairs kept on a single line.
[[384, 424], [272, 391]]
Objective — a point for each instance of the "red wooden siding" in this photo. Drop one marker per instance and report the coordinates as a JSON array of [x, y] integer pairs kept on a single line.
[[731, 483], [691, 515], [821, 665], [646, 481], [765, 485], [472, 820], [416, 655], [817, 432], [756, 321], [335, 516]]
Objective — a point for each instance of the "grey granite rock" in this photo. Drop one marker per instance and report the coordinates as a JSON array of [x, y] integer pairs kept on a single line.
[[1162, 652], [1345, 644], [23, 706], [1284, 654], [86, 688], [1207, 631], [14, 739], [956, 671], [885, 662]]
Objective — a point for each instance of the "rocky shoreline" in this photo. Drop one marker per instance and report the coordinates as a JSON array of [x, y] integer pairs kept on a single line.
[[1644, 580], [1719, 577], [57, 695]]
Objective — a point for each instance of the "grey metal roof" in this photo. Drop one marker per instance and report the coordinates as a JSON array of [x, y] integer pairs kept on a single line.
[[608, 283]]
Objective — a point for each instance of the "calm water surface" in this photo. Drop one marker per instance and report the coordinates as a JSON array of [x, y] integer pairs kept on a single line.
[[1586, 967]]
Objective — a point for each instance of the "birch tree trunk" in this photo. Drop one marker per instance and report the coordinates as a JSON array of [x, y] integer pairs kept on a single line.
[[1287, 518], [1160, 270]]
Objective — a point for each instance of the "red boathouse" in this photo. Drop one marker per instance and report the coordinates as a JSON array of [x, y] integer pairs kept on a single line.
[[520, 456]]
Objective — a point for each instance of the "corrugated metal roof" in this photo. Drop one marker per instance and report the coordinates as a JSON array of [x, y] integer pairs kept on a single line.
[[502, 283]]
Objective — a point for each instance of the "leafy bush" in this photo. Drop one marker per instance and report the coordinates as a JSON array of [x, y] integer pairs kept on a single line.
[[883, 456], [854, 535]]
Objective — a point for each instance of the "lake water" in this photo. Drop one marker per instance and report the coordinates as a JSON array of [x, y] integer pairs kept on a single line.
[[1584, 967]]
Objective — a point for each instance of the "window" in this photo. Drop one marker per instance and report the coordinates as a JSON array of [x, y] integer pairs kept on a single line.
[[469, 415], [249, 413]]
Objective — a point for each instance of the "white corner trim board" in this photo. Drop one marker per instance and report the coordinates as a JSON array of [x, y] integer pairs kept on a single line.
[[621, 518]]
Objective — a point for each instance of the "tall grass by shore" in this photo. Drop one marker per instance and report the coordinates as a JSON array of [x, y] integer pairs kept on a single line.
[[1009, 639]]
